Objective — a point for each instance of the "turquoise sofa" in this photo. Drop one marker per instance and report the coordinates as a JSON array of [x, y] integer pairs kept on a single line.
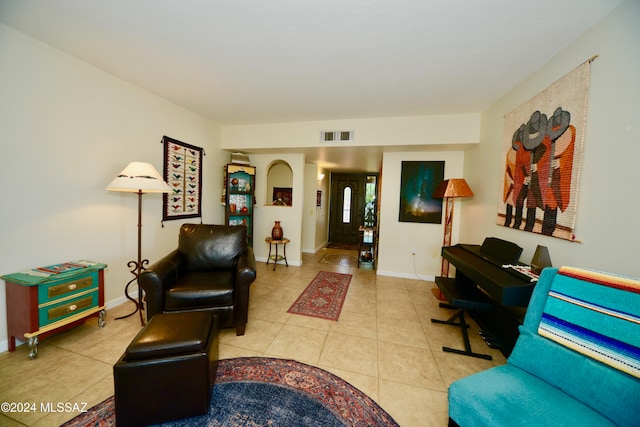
[[575, 363]]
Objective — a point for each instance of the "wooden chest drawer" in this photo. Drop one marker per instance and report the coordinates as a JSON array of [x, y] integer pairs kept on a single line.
[[46, 300], [54, 291], [49, 313]]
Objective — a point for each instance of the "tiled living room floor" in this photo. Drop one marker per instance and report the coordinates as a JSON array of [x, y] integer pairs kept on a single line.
[[384, 344]]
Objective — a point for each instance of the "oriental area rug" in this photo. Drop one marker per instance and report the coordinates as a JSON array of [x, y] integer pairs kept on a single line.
[[343, 246], [343, 259], [323, 297], [257, 391]]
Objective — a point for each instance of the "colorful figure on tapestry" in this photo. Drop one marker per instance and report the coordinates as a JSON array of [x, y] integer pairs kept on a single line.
[[538, 171], [542, 146]]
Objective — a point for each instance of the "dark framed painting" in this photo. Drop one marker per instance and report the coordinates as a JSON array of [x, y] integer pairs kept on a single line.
[[183, 173], [418, 181], [318, 198], [283, 196]]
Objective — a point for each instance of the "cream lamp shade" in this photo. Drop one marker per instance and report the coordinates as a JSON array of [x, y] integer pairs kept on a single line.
[[139, 177]]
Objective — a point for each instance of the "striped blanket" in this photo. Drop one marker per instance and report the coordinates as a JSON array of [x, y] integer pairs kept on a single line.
[[596, 314]]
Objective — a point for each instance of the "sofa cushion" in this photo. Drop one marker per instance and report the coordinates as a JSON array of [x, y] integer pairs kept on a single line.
[[595, 314], [508, 396], [597, 385], [201, 290], [211, 247]]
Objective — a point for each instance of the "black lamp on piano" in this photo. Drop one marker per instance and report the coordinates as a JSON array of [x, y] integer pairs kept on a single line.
[[449, 190]]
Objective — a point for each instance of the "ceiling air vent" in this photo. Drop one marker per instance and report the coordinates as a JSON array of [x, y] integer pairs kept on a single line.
[[337, 136]]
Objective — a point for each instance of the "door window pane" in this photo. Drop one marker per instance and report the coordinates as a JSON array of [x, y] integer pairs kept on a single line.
[[346, 205]]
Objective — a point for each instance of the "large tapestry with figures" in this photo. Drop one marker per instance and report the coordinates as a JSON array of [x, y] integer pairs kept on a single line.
[[542, 157], [183, 173]]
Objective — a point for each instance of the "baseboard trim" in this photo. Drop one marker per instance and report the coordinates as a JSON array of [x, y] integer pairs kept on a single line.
[[294, 263], [406, 275]]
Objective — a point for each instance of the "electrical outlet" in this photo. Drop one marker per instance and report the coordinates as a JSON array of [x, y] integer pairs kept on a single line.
[[413, 251]]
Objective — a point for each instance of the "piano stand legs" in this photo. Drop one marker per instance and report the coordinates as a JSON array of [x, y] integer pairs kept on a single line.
[[459, 315]]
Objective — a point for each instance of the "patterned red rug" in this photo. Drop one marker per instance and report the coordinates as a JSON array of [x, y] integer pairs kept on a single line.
[[257, 391], [344, 260], [323, 297], [344, 246]]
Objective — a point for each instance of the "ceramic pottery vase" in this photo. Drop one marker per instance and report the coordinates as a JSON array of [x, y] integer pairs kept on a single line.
[[276, 231]]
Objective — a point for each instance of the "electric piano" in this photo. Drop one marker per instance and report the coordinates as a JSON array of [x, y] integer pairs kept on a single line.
[[480, 276]]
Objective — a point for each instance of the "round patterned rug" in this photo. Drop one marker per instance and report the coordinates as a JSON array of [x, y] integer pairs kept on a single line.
[[257, 391]]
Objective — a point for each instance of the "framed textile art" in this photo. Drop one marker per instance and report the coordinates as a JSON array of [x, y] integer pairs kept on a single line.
[[418, 181], [183, 173], [542, 157], [283, 196]]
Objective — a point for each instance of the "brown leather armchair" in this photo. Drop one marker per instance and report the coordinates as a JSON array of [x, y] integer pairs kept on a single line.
[[212, 269]]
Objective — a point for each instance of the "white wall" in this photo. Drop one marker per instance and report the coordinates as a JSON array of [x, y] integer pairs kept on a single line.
[[608, 204], [309, 209], [67, 130], [397, 239], [290, 217], [431, 132], [322, 212], [414, 130]]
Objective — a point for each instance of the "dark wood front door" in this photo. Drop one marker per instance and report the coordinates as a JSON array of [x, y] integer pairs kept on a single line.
[[347, 207]]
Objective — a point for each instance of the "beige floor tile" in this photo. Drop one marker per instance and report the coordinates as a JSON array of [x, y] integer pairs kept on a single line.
[[356, 324], [271, 310], [41, 381], [383, 343], [297, 343], [258, 335], [363, 289], [5, 421], [360, 303], [230, 352], [409, 365], [350, 353], [393, 296], [399, 312], [413, 406], [110, 350], [407, 332], [95, 394], [455, 366], [310, 322], [388, 282]]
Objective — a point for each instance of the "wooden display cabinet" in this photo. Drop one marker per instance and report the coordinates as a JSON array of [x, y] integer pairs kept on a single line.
[[240, 183]]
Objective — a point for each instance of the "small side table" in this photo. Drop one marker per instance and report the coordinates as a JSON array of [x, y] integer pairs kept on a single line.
[[275, 242]]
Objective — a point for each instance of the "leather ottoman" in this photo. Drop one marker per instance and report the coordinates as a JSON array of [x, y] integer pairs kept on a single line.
[[168, 370]]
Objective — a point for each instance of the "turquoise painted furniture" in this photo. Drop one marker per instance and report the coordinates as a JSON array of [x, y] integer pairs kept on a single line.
[[576, 361]]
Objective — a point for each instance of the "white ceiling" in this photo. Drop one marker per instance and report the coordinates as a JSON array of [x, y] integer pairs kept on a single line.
[[264, 61]]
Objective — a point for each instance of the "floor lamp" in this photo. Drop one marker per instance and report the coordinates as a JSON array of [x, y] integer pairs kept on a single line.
[[138, 178], [449, 190]]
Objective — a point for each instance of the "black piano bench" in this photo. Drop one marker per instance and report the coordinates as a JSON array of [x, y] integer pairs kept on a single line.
[[462, 300]]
